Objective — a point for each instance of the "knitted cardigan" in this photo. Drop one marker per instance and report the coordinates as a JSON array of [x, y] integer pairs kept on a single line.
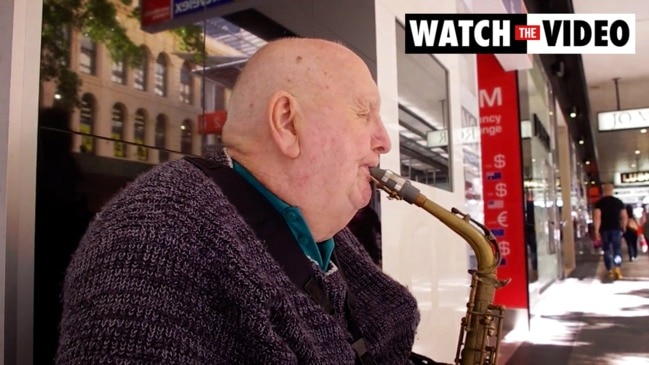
[[169, 273]]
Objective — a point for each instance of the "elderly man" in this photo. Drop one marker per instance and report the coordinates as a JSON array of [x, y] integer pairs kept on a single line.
[[188, 264]]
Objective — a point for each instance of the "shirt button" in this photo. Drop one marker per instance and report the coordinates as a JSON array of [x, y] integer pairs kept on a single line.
[[291, 216]]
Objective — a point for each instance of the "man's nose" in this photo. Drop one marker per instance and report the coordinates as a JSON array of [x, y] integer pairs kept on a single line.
[[380, 140]]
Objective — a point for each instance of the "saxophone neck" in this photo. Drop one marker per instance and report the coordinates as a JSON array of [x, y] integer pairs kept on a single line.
[[479, 237]]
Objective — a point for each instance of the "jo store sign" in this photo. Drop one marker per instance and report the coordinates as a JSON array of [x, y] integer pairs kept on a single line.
[[623, 119]]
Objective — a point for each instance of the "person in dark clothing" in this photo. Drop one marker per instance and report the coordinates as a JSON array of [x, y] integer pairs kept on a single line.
[[366, 226], [610, 220], [60, 220], [631, 234], [172, 271]]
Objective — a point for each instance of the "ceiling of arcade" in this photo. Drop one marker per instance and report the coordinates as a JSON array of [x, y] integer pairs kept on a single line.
[[624, 150]]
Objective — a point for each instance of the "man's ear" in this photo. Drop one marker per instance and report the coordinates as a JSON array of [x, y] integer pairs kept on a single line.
[[283, 110]]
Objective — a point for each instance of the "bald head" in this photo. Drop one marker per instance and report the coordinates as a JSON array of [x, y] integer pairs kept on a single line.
[[304, 119], [307, 69], [607, 189]]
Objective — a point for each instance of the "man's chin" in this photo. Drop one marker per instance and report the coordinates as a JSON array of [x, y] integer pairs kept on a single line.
[[366, 197]]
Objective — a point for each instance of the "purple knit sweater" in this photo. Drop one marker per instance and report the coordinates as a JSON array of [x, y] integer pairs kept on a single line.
[[169, 273]]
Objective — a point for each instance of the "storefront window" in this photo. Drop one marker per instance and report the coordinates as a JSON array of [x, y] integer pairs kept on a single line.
[[424, 132], [542, 211]]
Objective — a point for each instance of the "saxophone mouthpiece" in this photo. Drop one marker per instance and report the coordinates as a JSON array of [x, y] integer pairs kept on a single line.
[[377, 173], [394, 185]]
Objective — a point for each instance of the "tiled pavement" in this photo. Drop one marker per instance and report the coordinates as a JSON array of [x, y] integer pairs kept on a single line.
[[588, 319]]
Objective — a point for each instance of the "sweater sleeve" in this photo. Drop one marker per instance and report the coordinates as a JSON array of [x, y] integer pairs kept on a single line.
[[155, 282]]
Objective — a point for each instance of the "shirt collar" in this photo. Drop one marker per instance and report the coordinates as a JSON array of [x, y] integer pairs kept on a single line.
[[318, 252]]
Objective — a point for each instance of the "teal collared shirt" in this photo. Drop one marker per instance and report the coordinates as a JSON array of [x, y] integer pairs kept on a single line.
[[318, 252]]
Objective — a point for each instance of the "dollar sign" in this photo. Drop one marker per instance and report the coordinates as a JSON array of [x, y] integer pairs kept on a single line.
[[499, 161], [501, 190], [504, 248]]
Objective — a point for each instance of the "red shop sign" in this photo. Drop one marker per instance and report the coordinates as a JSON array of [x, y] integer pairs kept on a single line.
[[501, 175], [212, 123], [155, 11]]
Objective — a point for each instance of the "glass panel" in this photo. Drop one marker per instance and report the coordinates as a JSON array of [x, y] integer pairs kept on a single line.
[[423, 117], [542, 211], [118, 75], [110, 145], [227, 33], [103, 176]]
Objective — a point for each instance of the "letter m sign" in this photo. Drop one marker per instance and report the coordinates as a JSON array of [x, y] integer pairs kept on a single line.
[[496, 97]]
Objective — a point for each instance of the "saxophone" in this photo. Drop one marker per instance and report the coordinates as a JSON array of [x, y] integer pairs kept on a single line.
[[480, 329]]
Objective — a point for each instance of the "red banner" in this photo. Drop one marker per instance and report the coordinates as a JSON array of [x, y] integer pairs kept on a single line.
[[155, 11], [212, 123], [502, 175]]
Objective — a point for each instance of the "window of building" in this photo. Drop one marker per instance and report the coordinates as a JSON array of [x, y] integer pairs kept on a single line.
[[161, 137], [139, 134], [161, 75], [186, 84], [117, 130], [186, 137], [86, 123], [141, 71], [66, 36], [424, 133], [118, 75], [88, 56]]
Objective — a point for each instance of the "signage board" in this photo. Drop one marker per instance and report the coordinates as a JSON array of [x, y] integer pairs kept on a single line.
[[160, 11], [633, 178], [500, 127], [466, 135], [155, 11], [212, 123], [623, 119]]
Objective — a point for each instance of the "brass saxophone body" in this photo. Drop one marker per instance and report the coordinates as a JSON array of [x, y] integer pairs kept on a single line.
[[480, 329]]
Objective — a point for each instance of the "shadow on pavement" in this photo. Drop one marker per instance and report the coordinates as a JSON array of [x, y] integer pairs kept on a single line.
[[604, 334]]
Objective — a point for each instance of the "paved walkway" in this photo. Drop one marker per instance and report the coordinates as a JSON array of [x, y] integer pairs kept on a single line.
[[588, 319]]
